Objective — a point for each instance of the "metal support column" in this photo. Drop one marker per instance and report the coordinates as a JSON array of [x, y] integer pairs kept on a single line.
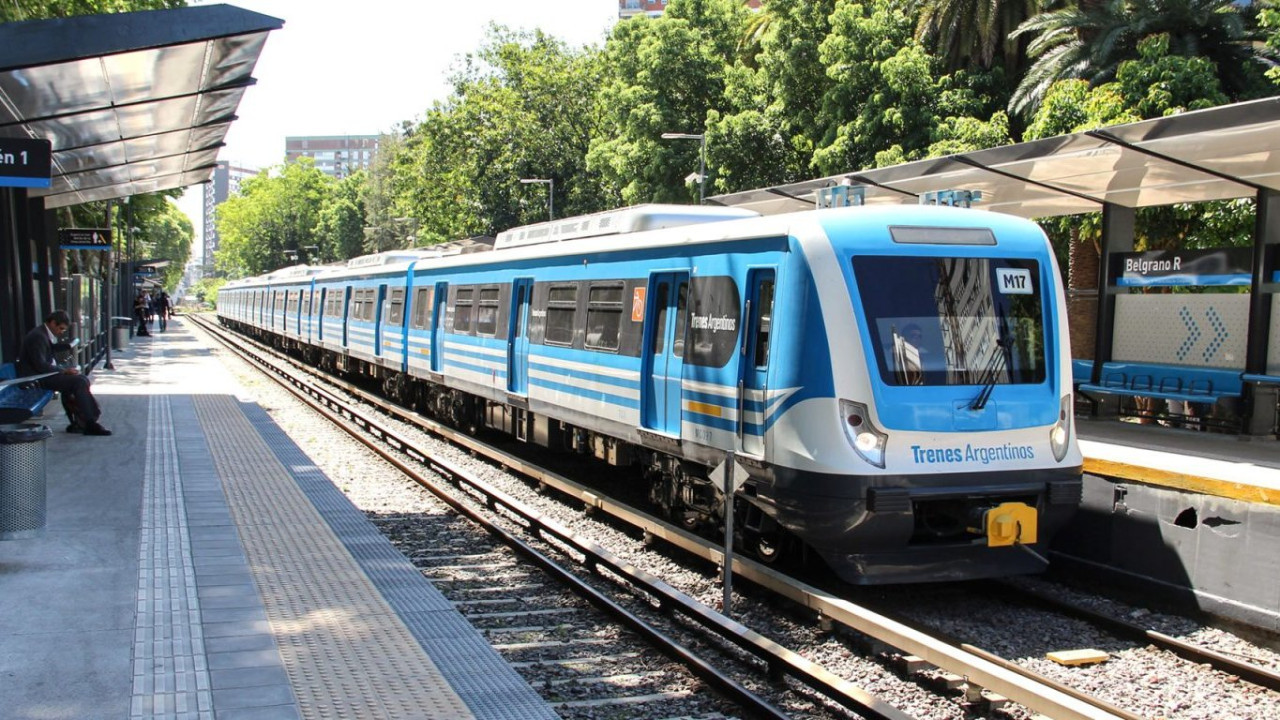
[[1260, 400], [1117, 237]]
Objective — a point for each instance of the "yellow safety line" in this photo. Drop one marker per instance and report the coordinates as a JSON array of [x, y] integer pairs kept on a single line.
[[1182, 481]]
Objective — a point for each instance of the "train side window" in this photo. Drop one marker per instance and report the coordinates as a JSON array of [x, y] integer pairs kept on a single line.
[[422, 307], [487, 312], [764, 324], [462, 311], [604, 316], [562, 312], [682, 305], [395, 309]]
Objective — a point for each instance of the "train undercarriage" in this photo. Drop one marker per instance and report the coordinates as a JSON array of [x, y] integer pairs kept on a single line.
[[909, 532]]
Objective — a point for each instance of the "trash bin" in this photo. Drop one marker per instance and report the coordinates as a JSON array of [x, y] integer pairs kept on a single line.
[[120, 332], [22, 480]]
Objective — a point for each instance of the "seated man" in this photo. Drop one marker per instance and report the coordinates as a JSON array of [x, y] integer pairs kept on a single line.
[[35, 357]]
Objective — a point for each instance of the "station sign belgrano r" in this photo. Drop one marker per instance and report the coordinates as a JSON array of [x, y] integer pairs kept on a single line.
[[84, 239], [1219, 266]]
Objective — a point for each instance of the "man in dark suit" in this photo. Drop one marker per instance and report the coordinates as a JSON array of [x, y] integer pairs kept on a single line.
[[35, 357]]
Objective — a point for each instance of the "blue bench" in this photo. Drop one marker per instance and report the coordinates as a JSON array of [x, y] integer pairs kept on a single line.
[[20, 401], [1168, 382], [1183, 383]]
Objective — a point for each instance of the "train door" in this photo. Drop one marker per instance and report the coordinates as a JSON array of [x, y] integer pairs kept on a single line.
[[753, 393], [518, 337], [437, 329], [663, 364], [346, 315], [379, 320], [322, 312]]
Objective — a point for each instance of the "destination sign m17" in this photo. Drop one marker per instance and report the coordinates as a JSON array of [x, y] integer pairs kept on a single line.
[[84, 239], [25, 162]]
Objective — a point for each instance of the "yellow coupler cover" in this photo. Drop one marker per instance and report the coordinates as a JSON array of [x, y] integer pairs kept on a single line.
[[1078, 657], [1011, 522]]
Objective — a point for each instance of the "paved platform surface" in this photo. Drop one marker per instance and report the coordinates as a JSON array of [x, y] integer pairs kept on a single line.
[[197, 565], [1231, 466]]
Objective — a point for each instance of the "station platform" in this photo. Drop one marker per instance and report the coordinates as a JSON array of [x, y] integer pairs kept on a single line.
[[196, 564], [1188, 519], [1219, 464]]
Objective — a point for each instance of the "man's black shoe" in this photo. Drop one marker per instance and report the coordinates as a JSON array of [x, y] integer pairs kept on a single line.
[[75, 428], [96, 429]]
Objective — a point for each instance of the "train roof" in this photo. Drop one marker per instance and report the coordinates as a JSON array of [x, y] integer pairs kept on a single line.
[[623, 221], [655, 226]]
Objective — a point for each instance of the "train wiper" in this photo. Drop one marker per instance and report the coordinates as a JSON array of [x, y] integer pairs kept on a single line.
[[980, 402], [994, 368]]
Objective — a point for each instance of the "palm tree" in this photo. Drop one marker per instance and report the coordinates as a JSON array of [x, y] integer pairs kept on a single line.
[[965, 32], [1089, 42]]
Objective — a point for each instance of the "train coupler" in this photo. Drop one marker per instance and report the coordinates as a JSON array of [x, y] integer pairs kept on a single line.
[[1010, 523]]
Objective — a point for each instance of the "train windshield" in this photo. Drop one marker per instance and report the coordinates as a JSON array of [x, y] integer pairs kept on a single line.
[[954, 321]]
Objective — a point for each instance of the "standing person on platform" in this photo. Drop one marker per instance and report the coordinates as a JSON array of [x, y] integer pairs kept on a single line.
[[140, 314], [161, 303], [36, 356]]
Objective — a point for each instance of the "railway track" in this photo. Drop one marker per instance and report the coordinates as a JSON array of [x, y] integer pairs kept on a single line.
[[983, 680]]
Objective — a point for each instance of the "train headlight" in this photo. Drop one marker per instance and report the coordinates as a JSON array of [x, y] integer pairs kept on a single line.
[[1060, 434], [863, 435]]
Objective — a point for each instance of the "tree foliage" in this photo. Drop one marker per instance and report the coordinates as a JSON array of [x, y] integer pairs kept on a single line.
[[16, 10], [802, 88], [1089, 41], [274, 217], [664, 76], [521, 107]]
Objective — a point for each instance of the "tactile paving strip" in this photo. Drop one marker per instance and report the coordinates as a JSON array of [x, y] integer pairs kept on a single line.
[[345, 650], [170, 673], [489, 686]]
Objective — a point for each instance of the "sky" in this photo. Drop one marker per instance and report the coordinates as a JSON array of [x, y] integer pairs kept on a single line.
[[361, 67]]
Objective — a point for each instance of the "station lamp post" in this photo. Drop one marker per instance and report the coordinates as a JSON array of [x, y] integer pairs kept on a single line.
[[551, 193], [702, 159]]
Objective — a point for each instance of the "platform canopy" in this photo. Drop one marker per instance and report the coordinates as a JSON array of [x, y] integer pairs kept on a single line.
[[132, 102], [1225, 152]]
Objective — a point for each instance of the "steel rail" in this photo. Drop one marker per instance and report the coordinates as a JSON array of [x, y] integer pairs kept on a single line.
[[1249, 672], [1021, 685], [349, 419]]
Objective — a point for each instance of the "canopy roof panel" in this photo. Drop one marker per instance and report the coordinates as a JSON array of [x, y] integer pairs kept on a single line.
[[132, 102], [1216, 154]]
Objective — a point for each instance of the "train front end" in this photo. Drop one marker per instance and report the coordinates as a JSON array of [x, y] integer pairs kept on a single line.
[[946, 448]]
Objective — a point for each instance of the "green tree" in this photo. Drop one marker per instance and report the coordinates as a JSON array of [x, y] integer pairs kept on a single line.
[[1269, 29], [664, 75], [520, 108], [968, 32], [15, 10], [886, 102], [1091, 40], [340, 227], [274, 213], [167, 235], [1156, 84], [206, 290], [769, 128]]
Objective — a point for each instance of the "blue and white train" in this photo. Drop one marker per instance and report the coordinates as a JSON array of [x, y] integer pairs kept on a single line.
[[894, 381]]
